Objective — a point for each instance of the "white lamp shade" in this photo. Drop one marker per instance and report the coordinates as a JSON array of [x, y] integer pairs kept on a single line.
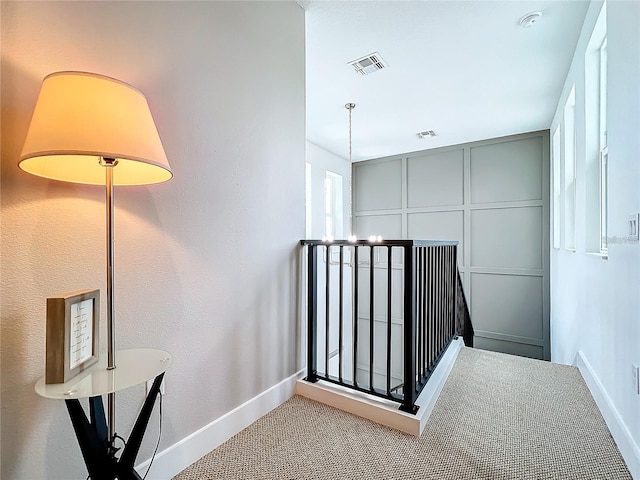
[[80, 118]]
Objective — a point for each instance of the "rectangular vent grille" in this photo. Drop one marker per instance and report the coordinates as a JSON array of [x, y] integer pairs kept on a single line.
[[427, 134], [369, 64]]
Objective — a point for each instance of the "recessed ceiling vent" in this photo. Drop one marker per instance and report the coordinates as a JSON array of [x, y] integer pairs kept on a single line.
[[426, 134], [369, 64], [530, 19]]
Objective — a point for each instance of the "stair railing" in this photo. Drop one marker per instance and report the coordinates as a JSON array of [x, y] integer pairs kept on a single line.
[[381, 314]]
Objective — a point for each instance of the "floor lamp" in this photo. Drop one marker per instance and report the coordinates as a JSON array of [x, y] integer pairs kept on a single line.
[[91, 129]]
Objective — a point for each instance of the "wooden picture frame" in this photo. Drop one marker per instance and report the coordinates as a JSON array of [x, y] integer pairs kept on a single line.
[[73, 320]]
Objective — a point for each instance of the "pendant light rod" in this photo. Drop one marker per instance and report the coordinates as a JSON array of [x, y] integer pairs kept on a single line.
[[350, 107]]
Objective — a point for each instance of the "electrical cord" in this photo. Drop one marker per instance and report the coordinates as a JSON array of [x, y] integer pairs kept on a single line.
[[155, 451], [118, 437], [113, 447], [158, 443]]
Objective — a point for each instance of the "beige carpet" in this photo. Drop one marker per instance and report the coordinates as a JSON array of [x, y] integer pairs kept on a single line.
[[498, 417]]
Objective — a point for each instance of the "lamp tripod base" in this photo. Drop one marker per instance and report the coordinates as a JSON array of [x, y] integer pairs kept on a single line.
[[98, 450]]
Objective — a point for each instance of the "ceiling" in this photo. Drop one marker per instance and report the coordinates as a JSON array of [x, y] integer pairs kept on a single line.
[[464, 69]]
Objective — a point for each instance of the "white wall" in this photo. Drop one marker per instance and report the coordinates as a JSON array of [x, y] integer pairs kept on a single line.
[[206, 264], [595, 314], [321, 160]]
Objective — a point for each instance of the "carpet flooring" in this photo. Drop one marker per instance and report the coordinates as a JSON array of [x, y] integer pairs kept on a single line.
[[498, 417]]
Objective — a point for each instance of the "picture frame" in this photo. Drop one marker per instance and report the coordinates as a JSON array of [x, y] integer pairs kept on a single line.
[[73, 321]]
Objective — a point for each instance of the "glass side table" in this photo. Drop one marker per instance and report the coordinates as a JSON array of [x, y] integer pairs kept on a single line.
[[133, 367]]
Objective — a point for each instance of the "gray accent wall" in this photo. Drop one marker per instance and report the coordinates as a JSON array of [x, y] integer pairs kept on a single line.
[[492, 197]]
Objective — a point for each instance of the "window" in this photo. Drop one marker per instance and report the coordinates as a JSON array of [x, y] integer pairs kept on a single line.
[[307, 199], [604, 152], [557, 189], [603, 93], [570, 171], [604, 158], [333, 205], [595, 143]]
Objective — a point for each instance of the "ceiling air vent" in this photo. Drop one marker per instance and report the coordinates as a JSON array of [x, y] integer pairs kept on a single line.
[[426, 134], [530, 19], [369, 64]]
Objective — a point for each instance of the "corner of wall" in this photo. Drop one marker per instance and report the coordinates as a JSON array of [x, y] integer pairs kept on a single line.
[[189, 450], [621, 435]]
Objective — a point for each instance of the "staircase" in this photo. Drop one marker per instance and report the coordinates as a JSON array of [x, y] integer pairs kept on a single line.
[[380, 318]]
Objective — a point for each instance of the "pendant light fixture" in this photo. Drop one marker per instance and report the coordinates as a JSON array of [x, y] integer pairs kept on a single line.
[[350, 107]]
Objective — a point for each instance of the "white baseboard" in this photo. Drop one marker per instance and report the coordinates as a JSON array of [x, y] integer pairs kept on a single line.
[[431, 391], [383, 411], [627, 446], [179, 456]]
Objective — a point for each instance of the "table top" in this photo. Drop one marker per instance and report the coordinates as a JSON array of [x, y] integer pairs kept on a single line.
[[133, 367]]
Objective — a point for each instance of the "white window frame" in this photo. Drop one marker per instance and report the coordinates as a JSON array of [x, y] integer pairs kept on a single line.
[[557, 186], [604, 150], [570, 171], [307, 200], [333, 205], [604, 160]]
